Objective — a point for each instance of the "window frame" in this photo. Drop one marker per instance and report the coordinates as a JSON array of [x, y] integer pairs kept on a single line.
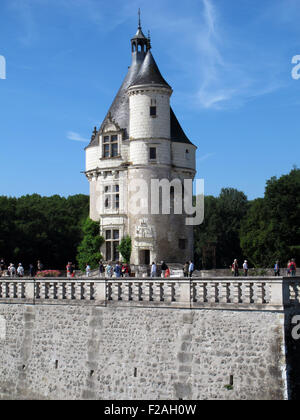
[[110, 146]]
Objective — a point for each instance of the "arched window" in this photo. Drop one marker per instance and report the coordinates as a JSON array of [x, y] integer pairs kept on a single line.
[[139, 48], [133, 47]]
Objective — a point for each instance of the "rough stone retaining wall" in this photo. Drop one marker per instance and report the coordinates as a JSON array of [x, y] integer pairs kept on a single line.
[[85, 352]]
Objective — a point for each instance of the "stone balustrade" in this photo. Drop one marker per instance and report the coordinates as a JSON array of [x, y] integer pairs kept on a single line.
[[231, 293]]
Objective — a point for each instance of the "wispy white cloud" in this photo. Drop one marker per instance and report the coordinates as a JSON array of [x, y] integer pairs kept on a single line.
[[226, 67], [205, 157], [71, 135]]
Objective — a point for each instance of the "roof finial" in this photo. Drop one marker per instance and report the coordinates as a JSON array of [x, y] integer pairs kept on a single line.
[[149, 41], [140, 26]]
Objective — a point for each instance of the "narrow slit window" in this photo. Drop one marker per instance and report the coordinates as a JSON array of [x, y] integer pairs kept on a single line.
[[152, 111], [152, 153]]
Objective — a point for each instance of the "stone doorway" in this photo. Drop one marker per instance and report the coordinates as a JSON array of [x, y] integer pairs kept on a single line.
[[145, 257]]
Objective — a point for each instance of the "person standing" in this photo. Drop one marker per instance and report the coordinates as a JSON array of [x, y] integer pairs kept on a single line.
[[288, 271], [245, 268], [2, 267], [69, 270], [31, 270], [125, 270], [235, 268], [191, 269], [117, 270], [164, 268], [88, 270], [277, 269], [153, 270], [109, 270], [20, 270], [186, 269], [101, 269], [12, 270], [292, 268], [39, 266]]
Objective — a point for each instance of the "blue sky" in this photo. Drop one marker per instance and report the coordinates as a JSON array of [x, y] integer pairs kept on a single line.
[[229, 63]]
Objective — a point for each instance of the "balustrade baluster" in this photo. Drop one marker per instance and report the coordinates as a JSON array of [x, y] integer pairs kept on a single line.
[[169, 292], [147, 292], [195, 291], [117, 291], [109, 291], [158, 293]]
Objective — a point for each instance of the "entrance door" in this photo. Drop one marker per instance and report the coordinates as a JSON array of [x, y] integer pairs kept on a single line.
[[145, 257]]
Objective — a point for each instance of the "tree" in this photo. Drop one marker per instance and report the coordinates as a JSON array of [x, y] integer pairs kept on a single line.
[[125, 248], [89, 248], [219, 233], [271, 230]]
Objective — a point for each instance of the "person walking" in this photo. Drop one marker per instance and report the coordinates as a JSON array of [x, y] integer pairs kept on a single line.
[[153, 270], [191, 269], [277, 269], [186, 269], [245, 268], [164, 268]]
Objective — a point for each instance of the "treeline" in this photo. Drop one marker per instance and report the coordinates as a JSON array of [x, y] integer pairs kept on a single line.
[[41, 228], [262, 231]]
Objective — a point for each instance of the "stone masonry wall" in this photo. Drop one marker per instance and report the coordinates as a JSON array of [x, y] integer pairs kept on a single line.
[[84, 352]]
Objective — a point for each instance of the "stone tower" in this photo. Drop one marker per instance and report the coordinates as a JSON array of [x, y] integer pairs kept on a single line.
[[140, 141]]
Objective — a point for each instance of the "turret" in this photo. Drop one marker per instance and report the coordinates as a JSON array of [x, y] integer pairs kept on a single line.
[[139, 44]]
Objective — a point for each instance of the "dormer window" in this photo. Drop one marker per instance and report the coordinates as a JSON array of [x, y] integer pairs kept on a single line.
[[110, 146]]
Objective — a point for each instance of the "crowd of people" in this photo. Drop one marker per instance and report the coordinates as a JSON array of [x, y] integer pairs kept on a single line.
[[123, 269], [291, 269], [12, 270]]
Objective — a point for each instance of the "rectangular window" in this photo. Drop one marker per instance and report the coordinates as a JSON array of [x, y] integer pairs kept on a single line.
[[112, 243], [110, 146], [106, 150], [114, 150], [152, 153], [115, 251], [112, 197], [108, 251], [152, 111]]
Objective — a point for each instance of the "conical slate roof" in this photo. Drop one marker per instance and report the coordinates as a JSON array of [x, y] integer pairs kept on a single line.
[[149, 73], [119, 110], [141, 72]]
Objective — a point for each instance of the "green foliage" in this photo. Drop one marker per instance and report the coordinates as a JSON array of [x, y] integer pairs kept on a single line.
[[125, 248], [271, 230], [221, 227], [89, 248], [41, 228]]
